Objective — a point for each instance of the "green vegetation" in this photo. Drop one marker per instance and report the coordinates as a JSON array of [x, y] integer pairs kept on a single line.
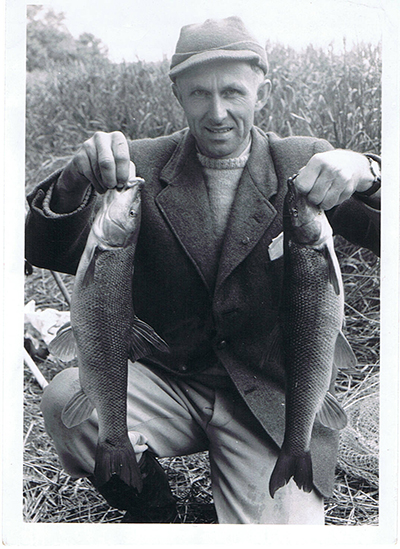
[[73, 90]]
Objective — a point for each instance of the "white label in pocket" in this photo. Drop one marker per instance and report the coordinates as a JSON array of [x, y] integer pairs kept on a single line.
[[275, 249]]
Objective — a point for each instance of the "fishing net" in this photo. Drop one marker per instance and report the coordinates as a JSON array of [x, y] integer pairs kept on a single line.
[[359, 440]]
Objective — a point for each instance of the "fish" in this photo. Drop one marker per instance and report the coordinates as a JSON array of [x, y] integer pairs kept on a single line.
[[104, 332], [312, 341]]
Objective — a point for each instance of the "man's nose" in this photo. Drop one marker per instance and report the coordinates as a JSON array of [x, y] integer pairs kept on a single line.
[[217, 109]]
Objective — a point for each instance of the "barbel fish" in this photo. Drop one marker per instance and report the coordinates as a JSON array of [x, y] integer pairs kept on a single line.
[[105, 332], [312, 341]]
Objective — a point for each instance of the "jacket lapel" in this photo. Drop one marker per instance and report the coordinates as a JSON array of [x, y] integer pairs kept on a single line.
[[185, 206], [252, 212]]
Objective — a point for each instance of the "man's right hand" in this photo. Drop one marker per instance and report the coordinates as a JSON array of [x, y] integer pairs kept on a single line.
[[102, 161]]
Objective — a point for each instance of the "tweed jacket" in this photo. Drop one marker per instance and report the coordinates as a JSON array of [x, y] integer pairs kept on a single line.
[[210, 309]]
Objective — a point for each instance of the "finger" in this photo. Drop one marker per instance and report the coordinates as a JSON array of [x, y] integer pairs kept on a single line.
[[334, 197], [331, 188], [321, 188], [120, 151], [104, 167], [83, 165], [132, 171], [307, 176], [329, 199]]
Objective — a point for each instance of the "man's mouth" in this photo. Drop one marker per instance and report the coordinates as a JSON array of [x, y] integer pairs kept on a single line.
[[219, 130]]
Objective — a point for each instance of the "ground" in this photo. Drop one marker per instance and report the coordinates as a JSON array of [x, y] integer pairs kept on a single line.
[[50, 495]]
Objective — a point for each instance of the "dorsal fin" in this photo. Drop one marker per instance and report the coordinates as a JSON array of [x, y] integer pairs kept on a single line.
[[144, 340], [63, 346]]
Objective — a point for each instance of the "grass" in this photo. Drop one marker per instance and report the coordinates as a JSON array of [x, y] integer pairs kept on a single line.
[[336, 96], [50, 495]]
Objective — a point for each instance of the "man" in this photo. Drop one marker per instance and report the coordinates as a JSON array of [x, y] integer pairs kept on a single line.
[[208, 276]]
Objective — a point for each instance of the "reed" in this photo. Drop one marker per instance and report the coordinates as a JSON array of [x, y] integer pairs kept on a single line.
[[336, 96]]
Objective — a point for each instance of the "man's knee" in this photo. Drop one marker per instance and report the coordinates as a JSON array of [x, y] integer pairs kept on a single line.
[[58, 393], [76, 446]]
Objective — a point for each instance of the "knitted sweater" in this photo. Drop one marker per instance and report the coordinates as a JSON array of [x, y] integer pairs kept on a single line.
[[222, 177]]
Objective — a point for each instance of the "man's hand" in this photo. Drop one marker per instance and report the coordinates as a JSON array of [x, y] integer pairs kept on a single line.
[[102, 161], [331, 177]]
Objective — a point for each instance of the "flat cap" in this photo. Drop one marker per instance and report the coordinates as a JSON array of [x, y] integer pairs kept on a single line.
[[214, 40]]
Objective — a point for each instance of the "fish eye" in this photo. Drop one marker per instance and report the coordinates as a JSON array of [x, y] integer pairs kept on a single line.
[[132, 213]]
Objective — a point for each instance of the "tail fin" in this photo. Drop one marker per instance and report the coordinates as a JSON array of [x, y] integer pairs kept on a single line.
[[117, 460], [288, 466]]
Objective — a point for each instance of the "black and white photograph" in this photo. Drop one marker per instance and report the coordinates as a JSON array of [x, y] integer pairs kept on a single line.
[[195, 258]]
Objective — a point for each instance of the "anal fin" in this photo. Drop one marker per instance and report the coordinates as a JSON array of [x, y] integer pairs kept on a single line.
[[331, 414], [78, 409]]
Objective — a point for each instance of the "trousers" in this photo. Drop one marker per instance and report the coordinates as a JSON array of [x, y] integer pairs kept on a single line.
[[175, 417]]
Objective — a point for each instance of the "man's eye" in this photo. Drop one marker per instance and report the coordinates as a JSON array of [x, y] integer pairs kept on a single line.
[[231, 92], [199, 93]]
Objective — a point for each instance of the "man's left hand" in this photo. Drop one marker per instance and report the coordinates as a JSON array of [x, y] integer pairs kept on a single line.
[[331, 177]]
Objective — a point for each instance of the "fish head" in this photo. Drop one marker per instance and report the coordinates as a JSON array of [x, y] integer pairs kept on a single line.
[[118, 222], [305, 222]]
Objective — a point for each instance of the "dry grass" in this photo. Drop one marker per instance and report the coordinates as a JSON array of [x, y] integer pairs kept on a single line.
[[50, 495], [334, 96]]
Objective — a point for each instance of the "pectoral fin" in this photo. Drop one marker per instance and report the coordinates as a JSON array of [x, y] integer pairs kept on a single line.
[[331, 414], [78, 409], [275, 346], [144, 340], [332, 270], [88, 277], [63, 346]]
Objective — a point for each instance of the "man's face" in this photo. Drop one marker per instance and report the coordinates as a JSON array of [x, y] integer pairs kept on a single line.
[[219, 99]]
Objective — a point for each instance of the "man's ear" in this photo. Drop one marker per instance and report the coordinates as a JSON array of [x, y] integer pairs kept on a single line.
[[177, 93], [263, 92]]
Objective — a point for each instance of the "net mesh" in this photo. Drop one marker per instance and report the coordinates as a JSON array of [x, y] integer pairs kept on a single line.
[[359, 440]]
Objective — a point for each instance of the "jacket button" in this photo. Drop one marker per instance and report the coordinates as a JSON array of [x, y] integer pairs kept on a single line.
[[221, 344], [246, 240], [183, 368]]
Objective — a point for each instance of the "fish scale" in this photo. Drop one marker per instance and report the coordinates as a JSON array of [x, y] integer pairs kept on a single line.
[[313, 321], [106, 333], [102, 334], [311, 338]]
